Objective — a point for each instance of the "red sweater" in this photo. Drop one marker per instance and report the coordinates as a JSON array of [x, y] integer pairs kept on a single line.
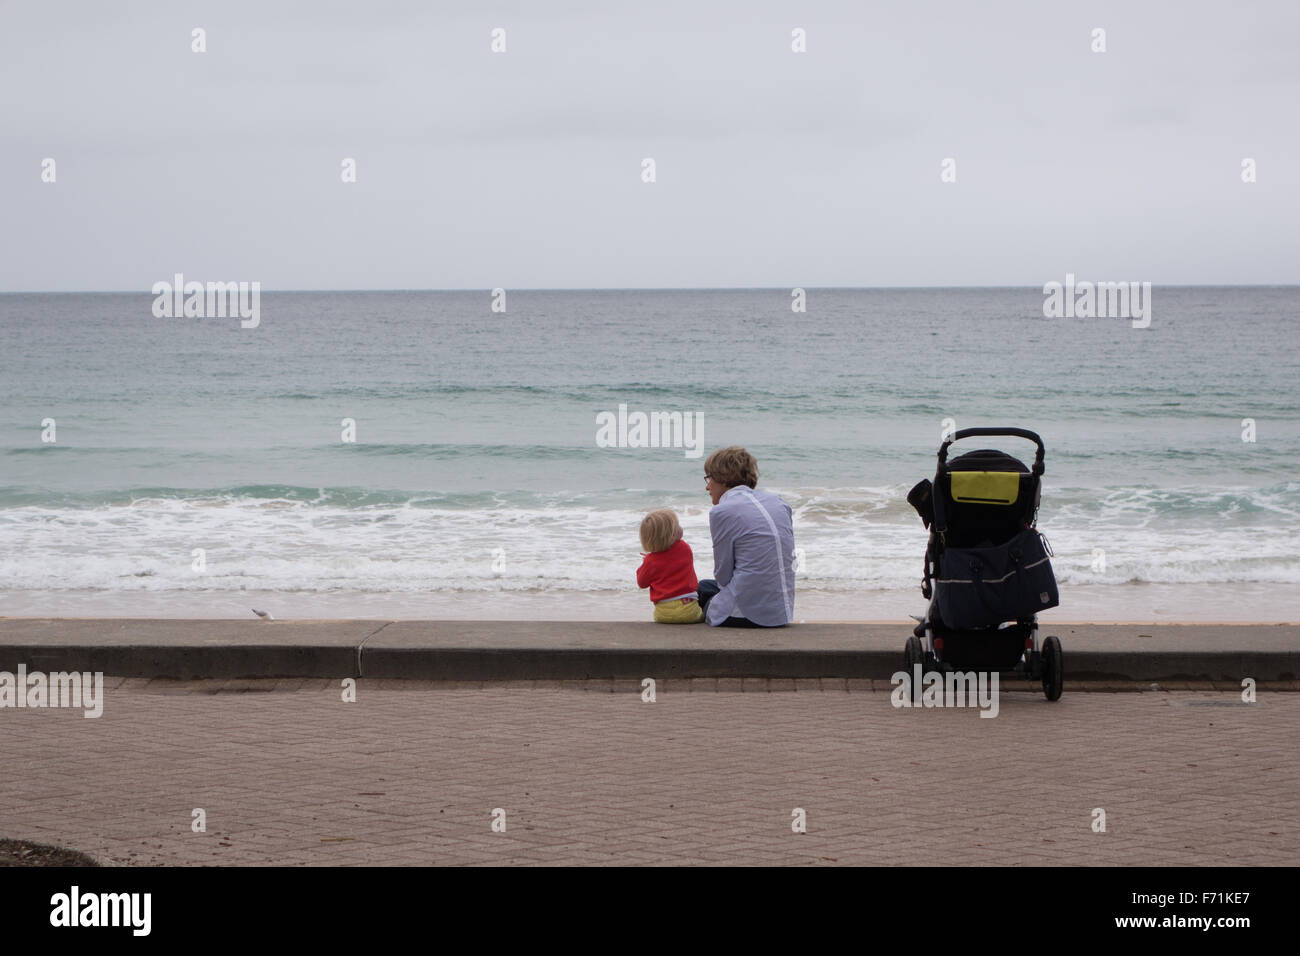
[[668, 573]]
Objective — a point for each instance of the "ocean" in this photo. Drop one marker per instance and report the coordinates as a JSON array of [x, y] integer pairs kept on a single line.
[[199, 468]]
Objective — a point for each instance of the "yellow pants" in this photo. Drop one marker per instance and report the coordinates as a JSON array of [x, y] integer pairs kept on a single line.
[[678, 612]]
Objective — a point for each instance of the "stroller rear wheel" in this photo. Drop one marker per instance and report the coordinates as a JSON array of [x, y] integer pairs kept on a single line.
[[1053, 671]]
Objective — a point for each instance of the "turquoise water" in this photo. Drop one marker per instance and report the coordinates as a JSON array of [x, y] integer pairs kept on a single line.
[[476, 465]]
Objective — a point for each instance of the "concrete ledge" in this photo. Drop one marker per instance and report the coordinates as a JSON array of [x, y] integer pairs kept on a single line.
[[185, 649], [521, 650]]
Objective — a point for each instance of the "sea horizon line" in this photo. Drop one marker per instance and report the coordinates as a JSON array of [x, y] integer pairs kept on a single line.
[[738, 288]]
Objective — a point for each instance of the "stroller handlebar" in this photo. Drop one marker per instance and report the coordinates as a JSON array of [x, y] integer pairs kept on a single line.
[[977, 432]]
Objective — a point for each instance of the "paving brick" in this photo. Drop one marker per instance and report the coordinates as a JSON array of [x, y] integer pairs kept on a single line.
[[409, 775]]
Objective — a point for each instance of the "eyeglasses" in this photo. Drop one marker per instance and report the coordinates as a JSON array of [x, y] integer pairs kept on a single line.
[[707, 479]]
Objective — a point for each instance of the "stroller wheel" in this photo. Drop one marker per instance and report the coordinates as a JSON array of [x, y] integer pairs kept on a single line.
[[1053, 671], [912, 654]]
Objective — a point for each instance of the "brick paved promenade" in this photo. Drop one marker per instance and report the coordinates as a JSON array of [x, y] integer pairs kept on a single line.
[[587, 773]]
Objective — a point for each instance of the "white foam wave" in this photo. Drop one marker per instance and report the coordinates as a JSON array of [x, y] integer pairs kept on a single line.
[[852, 539]]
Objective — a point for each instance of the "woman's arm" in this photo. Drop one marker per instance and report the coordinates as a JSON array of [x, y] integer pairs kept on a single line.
[[724, 546]]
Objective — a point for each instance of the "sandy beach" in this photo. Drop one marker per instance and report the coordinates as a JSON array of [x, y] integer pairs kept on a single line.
[[1142, 603]]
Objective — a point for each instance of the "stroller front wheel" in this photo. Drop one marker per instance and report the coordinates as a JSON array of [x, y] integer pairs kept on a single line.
[[912, 655]]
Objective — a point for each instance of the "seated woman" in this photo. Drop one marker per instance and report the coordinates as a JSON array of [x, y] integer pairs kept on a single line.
[[753, 547]]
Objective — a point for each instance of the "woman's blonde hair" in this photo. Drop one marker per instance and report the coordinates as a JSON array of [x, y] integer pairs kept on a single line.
[[660, 530], [732, 466]]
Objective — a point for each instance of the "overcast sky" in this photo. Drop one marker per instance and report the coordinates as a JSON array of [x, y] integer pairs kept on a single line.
[[523, 169]]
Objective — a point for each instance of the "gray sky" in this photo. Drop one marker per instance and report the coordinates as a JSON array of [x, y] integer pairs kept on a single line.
[[523, 169]]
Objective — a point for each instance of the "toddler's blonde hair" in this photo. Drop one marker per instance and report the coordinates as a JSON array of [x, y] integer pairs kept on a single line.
[[660, 530]]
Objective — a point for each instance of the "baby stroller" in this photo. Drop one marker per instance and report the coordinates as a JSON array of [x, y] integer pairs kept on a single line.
[[987, 567]]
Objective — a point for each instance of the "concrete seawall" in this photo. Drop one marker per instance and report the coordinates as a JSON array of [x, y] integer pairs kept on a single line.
[[518, 650]]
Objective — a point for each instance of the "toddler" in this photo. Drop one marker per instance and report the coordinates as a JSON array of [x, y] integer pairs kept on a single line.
[[668, 570]]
